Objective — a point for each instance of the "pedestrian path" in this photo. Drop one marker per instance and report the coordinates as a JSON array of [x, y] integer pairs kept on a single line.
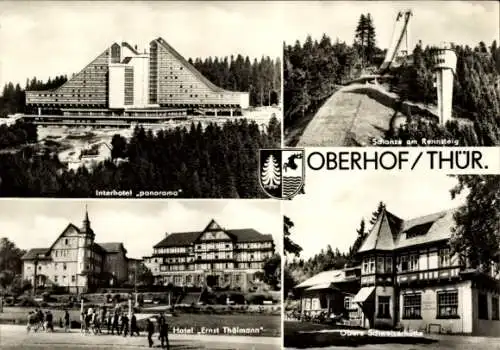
[[14, 337]]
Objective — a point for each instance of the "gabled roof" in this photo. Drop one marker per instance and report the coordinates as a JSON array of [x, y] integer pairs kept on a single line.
[[36, 252], [113, 247], [70, 225], [390, 232], [426, 229], [324, 278], [187, 238]]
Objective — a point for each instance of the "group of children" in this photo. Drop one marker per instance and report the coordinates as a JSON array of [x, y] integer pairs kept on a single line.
[[96, 320], [38, 319]]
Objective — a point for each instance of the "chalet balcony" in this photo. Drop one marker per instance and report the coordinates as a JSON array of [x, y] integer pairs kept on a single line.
[[444, 273]]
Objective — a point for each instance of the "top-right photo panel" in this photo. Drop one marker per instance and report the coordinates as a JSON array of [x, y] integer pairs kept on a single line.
[[398, 73]]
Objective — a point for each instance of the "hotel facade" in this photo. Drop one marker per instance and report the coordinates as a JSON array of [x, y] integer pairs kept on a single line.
[[124, 82], [76, 263], [409, 279], [214, 257]]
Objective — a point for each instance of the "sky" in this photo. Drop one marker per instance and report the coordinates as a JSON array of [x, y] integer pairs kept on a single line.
[[433, 22], [139, 224], [45, 38], [330, 214]]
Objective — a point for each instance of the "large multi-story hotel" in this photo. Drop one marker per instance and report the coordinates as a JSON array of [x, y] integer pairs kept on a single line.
[[123, 84], [75, 262], [409, 278], [214, 257]]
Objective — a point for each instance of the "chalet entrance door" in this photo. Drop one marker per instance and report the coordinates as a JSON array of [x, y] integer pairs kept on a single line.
[[212, 280]]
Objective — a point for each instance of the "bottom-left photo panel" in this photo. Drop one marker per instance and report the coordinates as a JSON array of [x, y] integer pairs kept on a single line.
[[171, 274]]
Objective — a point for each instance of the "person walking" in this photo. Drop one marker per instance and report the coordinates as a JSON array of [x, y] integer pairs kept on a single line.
[[66, 321], [150, 328], [133, 326], [49, 321], [125, 324], [83, 319], [109, 320], [102, 319], [115, 325], [164, 332]]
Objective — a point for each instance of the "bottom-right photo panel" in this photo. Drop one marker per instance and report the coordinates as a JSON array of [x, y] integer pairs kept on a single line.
[[393, 261]]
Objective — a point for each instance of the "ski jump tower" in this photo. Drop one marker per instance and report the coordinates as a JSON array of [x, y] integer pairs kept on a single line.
[[400, 42], [445, 62]]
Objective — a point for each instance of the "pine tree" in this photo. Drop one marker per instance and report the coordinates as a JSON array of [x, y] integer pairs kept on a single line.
[[376, 213], [271, 173]]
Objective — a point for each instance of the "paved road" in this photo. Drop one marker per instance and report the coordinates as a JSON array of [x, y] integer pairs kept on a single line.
[[15, 338], [444, 342]]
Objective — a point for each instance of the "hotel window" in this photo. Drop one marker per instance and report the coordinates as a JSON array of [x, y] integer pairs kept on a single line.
[[383, 307], [55, 279], [444, 257], [347, 303], [404, 263], [380, 264], [495, 311], [447, 302], [413, 263], [365, 266], [371, 267], [73, 278], [412, 306], [388, 264], [482, 305], [39, 268]]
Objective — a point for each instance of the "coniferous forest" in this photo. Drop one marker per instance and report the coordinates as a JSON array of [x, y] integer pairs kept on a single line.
[[261, 78], [215, 162], [314, 70]]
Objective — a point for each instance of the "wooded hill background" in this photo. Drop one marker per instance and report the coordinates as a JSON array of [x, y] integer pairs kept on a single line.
[[314, 70], [261, 78]]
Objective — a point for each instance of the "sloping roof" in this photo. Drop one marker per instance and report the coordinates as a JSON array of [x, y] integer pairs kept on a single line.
[[323, 278], [389, 232], [186, 238], [35, 252], [322, 286], [431, 228], [112, 247], [382, 234], [127, 45], [189, 66]]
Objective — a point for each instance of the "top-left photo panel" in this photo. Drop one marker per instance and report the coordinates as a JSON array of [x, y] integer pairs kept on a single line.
[[138, 99]]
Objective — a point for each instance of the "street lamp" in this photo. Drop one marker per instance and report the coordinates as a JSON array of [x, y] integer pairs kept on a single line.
[[35, 276]]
